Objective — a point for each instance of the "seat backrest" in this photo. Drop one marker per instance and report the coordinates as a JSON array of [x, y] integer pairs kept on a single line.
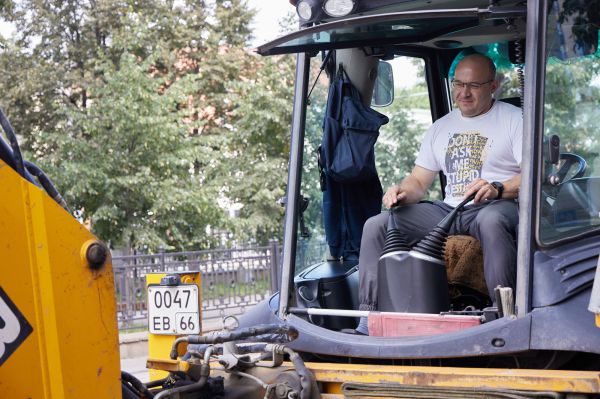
[[464, 263]]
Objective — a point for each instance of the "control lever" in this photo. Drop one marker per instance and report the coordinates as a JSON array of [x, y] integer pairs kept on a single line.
[[415, 281], [553, 157]]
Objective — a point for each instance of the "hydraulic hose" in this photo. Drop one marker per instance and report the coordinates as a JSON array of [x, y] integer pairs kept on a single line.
[[260, 342], [13, 158], [204, 373], [136, 384], [6, 154], [218, 350], [156, 383], [46, 184], [306, 377], [235, 335], [12, 138]]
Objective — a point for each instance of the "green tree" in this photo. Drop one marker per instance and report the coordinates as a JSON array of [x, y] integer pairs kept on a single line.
[[571, 101], [127, 101], [399, 141], [126, 163], [258, 146], [57, 46]]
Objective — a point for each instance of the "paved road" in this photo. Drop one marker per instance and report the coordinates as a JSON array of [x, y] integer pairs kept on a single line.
[[137, 367]]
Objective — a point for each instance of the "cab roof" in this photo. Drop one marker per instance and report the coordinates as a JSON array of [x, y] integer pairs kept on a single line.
[[415, 23]]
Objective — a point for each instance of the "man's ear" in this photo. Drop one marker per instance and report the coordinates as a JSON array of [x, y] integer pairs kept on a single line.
[[494, 85]]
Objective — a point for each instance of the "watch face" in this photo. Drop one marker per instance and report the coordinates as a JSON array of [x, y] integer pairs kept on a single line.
[[499, 187]]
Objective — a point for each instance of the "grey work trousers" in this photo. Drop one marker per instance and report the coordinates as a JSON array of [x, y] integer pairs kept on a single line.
[[494, 224]]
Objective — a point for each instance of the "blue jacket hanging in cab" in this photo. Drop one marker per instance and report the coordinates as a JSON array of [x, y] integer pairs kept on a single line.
[[351, 188]]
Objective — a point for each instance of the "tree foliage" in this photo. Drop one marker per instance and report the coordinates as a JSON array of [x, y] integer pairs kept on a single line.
[[132, 108], [128, 161], [260, 142]]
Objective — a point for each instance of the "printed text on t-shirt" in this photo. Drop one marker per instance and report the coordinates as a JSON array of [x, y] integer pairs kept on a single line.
[[464, 160]]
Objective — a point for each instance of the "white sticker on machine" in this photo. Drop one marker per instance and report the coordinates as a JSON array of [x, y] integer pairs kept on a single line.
[[14, 328]]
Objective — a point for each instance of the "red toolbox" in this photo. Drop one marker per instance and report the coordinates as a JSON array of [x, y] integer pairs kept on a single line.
[[390, 324]]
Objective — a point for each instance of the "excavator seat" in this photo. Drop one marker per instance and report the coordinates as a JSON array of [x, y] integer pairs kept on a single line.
[[464, 267]]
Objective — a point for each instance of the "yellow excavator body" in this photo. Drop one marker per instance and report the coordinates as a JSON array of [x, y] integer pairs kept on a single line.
[[59, 335]]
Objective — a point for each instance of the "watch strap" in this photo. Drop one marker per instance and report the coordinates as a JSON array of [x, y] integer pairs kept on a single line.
[[499, 187]]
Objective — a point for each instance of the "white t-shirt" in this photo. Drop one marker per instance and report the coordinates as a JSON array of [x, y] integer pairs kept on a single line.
[[487, 146]]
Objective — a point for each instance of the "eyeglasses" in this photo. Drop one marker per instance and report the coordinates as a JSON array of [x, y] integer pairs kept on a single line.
[[457, 84]]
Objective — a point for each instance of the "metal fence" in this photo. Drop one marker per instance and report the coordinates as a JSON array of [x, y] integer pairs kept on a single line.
[[232, 279]]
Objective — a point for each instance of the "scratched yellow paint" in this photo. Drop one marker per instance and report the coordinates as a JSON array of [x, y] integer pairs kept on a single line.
[[73, 348], [332, 376]]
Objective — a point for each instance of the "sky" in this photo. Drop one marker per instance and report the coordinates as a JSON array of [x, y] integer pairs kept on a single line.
[[266, 22], [265, 25]]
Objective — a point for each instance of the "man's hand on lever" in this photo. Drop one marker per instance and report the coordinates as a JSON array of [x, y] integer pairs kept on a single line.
[[393, 196], [483, 190], [412, 188], [488, 191]]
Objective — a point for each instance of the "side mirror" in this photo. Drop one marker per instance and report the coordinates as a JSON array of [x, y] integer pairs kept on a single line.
[[383, 91]]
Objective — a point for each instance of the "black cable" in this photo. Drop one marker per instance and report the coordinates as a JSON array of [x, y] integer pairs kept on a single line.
[[136, 384], [323, 64], [46, 184], [519, 62], [236, 335], [520, 73], [6, 154], [12, 138]]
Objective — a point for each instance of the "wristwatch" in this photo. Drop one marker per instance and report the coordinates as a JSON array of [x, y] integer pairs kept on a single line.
[[499, 187]]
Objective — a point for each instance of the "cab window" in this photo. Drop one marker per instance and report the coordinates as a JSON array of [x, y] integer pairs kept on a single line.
[[395, 151], [570, 181]]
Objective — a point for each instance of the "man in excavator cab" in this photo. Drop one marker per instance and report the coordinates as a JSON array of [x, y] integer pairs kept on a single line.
[[478, 148]]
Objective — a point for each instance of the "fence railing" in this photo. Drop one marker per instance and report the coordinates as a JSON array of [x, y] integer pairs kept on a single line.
[[232, 279]]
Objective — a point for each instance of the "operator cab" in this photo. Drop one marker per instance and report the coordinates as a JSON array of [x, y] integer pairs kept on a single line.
[[330, 281], [420, 44]]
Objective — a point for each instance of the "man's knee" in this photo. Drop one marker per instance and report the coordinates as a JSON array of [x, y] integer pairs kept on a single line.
[[375, 226], [492, 219]]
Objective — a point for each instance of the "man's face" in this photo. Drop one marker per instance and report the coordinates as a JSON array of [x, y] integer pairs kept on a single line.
[[474, 101]]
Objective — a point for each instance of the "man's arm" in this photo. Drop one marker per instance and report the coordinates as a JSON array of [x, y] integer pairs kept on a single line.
[[412, 188], [486, 192]]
